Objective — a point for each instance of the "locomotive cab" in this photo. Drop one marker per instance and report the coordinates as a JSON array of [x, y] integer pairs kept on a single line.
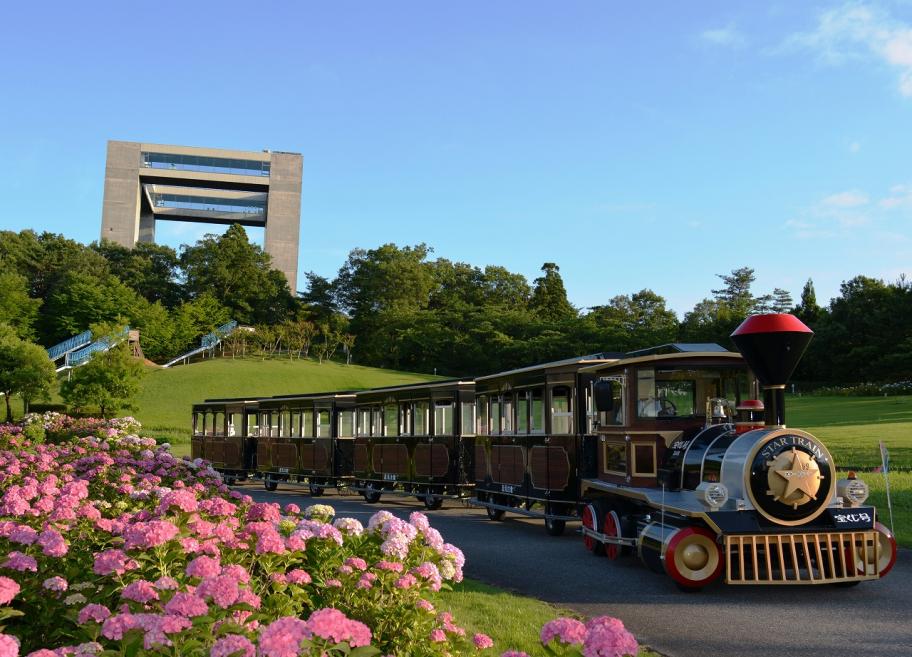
[[653, 404]]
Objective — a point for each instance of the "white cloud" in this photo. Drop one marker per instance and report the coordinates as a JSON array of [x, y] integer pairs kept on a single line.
[[854, 147], [860, 31], [849, 199], [728, 36]]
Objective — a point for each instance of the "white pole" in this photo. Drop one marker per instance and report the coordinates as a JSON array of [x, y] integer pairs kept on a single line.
[[885, 466]]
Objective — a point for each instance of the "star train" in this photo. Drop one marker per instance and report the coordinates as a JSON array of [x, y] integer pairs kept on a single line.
[[666, 453]]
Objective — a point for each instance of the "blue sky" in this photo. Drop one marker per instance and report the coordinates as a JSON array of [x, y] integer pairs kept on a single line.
[[637, 147]]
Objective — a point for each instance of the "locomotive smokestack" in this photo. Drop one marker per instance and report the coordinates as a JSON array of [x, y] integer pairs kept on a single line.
[[772, 345]]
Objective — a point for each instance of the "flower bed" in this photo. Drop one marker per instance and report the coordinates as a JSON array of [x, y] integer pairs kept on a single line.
[[109, 545]]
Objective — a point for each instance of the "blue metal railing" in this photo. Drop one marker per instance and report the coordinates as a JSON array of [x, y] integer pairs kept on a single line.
[[81, 356], [70, 344], [211, 339]]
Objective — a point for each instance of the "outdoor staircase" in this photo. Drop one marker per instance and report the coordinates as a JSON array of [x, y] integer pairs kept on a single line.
[[208, 343], [79, 349]]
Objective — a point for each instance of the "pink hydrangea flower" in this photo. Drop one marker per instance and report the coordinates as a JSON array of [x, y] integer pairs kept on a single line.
[[356, 562], [282, 637], [24, 535], [140, 591], [292, 509], [114, 627], [482, 641], [95, 612], [113, 561], [607, 637], [52, 543], [392, 566], [298, 576], [9, 589], [233, 645], [438, 635], [149, 534], [55, 584], [186, 604], [514, 653], [333, 625], [204, 567], [9, 646], [223, 589], [21, 562], [166, 584], [568, 631]]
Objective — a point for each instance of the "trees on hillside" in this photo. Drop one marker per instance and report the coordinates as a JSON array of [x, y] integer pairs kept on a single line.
[[25, 370], [239, 275], [16, 307], [108, 382]]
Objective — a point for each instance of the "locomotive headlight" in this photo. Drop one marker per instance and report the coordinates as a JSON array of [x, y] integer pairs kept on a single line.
[[853, 491], [712, 494]]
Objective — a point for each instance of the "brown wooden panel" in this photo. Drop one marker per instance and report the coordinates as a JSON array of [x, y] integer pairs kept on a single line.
[[481, 463], [361, 458], [215, 451], [549, 467], [284, 455], [196, 448], [232, 454], [431, 460], [314, 457], [508, 464], [392, 459], [263, 453]]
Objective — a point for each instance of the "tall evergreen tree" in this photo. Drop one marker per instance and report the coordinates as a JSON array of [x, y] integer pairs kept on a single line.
[[549, 297]]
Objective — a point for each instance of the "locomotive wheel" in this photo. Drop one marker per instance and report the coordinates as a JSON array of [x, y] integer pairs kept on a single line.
[[611, 526], [590, 521], [886, 555], [316, 491], [693, 558], [495, 514], [371, 494], [270, 484]]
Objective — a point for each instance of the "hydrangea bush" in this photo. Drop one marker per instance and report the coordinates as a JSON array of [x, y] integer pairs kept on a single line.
[[111, 546]]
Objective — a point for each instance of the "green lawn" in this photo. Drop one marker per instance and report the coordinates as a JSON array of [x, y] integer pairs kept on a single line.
[[513, 621], [851, 427], [163, 405]]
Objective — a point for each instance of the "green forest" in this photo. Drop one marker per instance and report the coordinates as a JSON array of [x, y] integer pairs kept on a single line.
[[399, 307]]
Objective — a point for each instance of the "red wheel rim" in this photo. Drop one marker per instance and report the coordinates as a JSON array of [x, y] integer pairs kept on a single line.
[[709, 541], [589, 523], [612, 529]]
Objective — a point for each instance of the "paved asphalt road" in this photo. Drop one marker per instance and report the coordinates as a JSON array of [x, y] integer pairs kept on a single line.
[[872, 619]]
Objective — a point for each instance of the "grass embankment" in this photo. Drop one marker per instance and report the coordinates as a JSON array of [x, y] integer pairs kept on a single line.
[[163, 405], [852, 428], [513, 621]]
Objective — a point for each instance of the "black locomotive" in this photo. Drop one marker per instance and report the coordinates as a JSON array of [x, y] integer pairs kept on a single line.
[[667, 452]]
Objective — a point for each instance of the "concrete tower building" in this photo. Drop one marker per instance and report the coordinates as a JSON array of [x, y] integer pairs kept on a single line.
[[145, 183]]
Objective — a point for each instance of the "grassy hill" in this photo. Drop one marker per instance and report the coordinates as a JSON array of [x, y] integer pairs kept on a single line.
[[851, 427], [163, 405]]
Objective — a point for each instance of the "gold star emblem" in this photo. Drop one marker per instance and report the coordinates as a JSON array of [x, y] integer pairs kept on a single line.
[[794, 478]]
